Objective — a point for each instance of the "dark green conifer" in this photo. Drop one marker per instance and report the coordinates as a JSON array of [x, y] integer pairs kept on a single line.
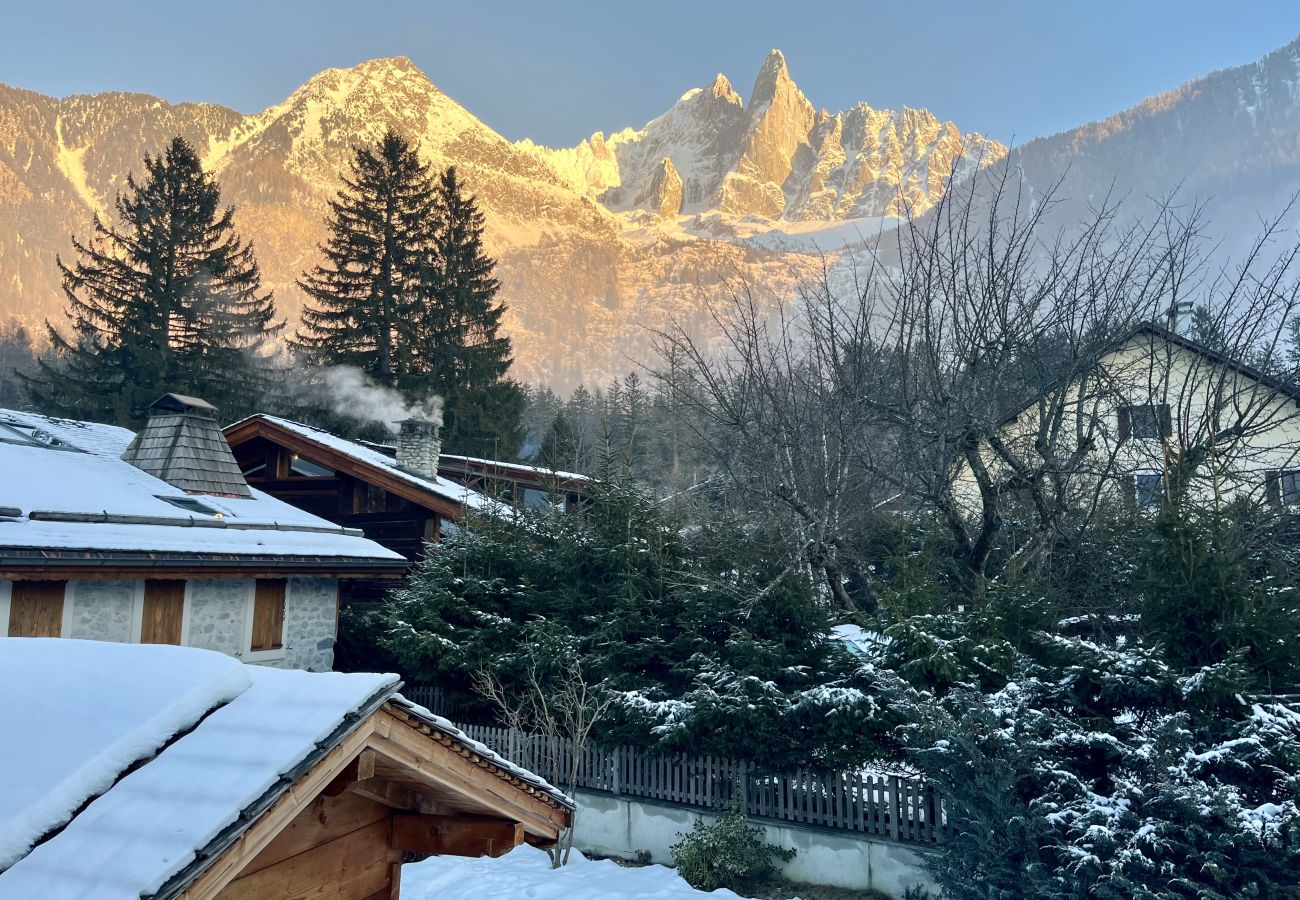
[[365, 296], [168, 298]]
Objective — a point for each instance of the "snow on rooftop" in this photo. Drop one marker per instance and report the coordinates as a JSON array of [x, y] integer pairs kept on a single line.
[[89, 478], [102, 706], [96, 712], [446, 727], [526, 872], [443, 487]]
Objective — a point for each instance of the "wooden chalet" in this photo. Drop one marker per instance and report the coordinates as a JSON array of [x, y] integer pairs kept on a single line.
[[400, 496], [156, 537], [283, 784]]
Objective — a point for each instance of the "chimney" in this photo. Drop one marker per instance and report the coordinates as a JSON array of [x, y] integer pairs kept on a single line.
[[418, 447], [182, 444]]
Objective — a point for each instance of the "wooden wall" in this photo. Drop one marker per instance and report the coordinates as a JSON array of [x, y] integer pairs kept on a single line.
[[337, 848]]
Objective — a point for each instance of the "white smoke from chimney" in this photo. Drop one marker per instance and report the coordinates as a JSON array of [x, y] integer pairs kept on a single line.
[[353, 394]]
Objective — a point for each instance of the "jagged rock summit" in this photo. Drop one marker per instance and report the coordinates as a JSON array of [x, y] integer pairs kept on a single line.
[[775, 156], [601, 243]]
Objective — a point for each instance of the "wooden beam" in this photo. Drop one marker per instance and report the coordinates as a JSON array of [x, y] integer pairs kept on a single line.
[[463, 776], [359, 769], [456, 835], [394, 795]]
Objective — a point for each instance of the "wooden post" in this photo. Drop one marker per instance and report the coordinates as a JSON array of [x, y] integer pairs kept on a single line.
[[895, 806]]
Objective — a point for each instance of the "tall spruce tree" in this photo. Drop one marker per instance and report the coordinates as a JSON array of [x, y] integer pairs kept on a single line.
[[464, 355], [367, 294], [167, 298]]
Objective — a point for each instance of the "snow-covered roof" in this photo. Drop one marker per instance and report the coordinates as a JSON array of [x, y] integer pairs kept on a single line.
[[88, 711], [61, 474], [441, 487], [540, 471], [131, 760], [858, 641]]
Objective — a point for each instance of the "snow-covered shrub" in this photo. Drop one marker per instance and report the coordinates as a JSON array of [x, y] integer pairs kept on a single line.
[[1090, 781], [726, 853]]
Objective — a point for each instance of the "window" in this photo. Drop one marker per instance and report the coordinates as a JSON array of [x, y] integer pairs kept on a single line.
[[189, 504], [267, 632], [1146, 421], [305, 468], [1284, 487], [36, 608], [162, 616], [1148, 490]]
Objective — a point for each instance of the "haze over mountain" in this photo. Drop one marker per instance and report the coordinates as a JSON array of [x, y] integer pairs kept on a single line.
[[599, 244]]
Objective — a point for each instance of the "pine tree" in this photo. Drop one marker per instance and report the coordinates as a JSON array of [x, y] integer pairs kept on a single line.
[[168, 298], [464, 356], [366, 295]]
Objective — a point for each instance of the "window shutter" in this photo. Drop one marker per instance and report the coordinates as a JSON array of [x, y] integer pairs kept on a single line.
[[36, 609], [1273, 487], [1125, 423], [1128, 487], [268, 614], [164, 612], [1166, 421]]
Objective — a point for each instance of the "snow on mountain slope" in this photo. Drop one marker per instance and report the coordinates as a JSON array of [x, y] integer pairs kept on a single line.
[[600, 244], [774, 157]]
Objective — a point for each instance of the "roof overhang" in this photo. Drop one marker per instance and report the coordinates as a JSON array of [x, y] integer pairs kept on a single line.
[[36, 563], [258, 426], [391, 753]]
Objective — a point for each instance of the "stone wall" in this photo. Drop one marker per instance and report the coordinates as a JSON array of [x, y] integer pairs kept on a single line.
[[311, 624], [101, 610], [217, 610], [623, 827], [217, 614]]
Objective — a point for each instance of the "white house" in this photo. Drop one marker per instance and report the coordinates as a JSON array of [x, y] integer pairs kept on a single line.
[[1155, 413], [157, 538]]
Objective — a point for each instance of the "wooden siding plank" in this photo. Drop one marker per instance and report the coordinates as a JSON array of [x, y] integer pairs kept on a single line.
[[352, 866]]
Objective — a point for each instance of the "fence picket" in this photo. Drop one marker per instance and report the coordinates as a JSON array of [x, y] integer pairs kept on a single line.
[[902, 809]]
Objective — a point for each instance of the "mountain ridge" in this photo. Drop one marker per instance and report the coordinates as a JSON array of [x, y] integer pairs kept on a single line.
[[602, 243]]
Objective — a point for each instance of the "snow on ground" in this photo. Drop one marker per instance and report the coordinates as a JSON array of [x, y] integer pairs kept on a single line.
[[525, 873], [77, 723]]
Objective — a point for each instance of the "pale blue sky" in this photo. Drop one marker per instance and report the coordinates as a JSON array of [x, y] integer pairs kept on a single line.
[[558, 70]]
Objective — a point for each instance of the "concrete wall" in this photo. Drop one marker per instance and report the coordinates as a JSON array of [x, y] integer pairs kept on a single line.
[[217, 615], [619, 826]]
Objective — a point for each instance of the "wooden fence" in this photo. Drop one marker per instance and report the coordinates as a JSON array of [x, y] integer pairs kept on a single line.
[[893, 807]]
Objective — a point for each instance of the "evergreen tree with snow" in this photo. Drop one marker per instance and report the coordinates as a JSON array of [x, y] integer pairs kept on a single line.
[[365, 296], [168, 298], [462, 354]]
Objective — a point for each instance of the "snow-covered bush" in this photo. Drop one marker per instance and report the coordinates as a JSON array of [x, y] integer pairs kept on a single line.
[[726, 853]]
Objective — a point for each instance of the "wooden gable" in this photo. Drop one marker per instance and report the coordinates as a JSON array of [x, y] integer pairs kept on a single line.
[[394, 785]]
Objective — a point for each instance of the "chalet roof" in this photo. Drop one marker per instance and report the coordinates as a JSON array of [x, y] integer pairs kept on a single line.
[[182, 444], [367, 458], [66, 489], [142, 764], [1160, 333]]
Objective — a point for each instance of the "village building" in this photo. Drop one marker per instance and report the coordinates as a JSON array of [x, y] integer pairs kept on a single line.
[[402, 496], [157, 537], [1156, 414], [162, 772]]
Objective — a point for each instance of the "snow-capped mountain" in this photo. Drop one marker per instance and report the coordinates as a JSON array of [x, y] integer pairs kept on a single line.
[[775, 156], [600, 244]]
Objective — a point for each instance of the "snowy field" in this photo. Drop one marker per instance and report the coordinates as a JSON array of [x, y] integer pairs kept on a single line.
[[526, 873]]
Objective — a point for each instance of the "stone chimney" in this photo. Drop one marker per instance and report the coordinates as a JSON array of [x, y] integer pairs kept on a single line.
[[182, 444], [418, 447]]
